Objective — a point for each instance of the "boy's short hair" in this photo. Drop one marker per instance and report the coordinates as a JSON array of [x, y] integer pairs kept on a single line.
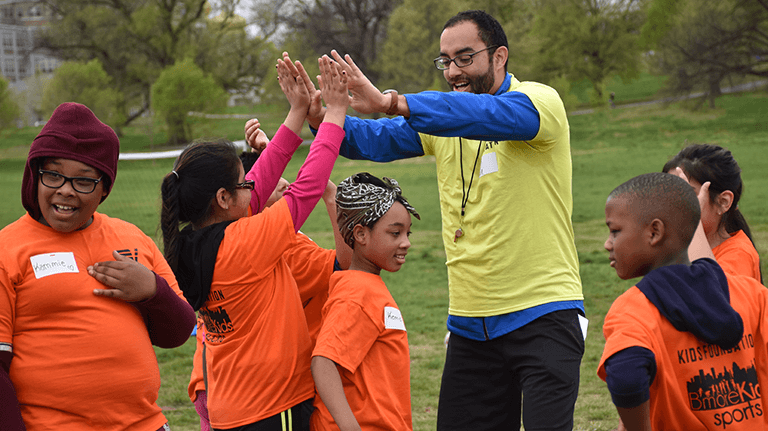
[[363, 199], [663, 196]]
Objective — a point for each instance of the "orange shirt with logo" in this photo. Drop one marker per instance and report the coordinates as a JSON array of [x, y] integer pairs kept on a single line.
[[80, 361], [364, 333], [311, 266], [257, 347], [698, 385]]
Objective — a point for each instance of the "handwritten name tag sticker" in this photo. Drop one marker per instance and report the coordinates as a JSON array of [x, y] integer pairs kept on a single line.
[[393, 319], [489, 164], [53, 263]]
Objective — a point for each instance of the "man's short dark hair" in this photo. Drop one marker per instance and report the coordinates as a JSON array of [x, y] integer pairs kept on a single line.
[[489, 29], [663, 196]]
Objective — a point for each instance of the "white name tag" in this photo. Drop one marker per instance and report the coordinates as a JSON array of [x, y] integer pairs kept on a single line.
[[584, 325], [393, 319], [489, 164], [53, 263]]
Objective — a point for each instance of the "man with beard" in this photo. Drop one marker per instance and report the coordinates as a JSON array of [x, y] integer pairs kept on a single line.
[[502, 149]]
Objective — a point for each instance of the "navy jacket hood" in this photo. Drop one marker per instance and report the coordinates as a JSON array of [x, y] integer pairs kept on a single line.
[[695, 299]]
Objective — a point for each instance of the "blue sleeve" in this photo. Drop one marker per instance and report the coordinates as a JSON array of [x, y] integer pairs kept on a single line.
[[509, 116], [381, 140], [629, 375]]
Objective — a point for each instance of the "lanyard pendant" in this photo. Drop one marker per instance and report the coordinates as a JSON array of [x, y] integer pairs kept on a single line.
[[459, 233]]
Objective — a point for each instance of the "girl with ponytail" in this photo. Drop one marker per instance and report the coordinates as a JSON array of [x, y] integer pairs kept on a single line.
[[727, 230], [230, 267]]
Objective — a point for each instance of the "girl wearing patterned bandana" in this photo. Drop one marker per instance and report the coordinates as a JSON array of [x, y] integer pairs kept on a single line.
[[361, 362]]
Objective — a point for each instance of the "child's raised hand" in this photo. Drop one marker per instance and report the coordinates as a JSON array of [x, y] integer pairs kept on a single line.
[[254, 136], [292, 85], [316, 109], [333, 84], [678, 171], [365, 97], [703, 191]]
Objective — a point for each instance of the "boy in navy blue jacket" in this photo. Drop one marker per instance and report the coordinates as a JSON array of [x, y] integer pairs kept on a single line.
[[685, 348]]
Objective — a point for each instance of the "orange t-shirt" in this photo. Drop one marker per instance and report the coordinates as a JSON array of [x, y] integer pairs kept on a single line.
[[80, 361], [737, 255], [364, 334], [311, 266], [196, 380], [697, 385], [257, 346]]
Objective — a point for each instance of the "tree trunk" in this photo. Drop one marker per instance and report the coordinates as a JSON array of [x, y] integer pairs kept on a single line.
[[714, 91], [177, 133]]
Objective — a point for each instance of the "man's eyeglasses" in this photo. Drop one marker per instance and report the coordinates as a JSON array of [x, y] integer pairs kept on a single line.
[[247, 184], [461, 60], [55, 180]]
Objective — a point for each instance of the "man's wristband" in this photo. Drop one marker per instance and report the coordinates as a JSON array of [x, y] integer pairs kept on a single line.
[[393, 104]]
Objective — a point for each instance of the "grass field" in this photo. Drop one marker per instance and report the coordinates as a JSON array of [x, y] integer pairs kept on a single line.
[[609, 147]]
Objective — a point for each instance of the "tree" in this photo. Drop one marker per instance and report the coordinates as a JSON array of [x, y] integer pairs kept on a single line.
[[85, 83], [179, 89], [135, 40], [413, 42], [354, 27], [9, 109], [238, 61], [588, 39], [708, 42]]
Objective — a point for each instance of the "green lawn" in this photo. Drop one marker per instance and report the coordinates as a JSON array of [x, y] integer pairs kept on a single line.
[[609, 147]]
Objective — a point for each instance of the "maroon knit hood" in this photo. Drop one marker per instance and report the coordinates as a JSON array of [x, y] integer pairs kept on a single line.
[[73, 132]]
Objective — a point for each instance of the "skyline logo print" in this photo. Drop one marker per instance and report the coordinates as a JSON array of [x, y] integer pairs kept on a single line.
[[217, 324], [736, 390]]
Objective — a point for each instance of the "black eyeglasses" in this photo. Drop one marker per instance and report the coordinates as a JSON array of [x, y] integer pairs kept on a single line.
[[247, 184], [55, 180], [461, 60]]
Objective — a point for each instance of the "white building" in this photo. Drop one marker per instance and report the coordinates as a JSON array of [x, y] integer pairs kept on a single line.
[[19, 20]]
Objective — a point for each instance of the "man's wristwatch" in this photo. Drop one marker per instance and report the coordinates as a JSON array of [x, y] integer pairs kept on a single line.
[[393, 104]]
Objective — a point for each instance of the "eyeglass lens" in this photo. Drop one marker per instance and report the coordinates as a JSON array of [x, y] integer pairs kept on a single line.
[[461, 60], [80, 184], [249, 184]]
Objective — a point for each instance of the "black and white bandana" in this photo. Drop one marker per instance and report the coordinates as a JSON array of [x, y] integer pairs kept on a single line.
[[363, 199]]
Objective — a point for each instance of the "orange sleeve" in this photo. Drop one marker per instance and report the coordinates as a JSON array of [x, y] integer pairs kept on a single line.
[[346, 335], [7, 308], [623, 328], [348, 332], [311, 266]]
